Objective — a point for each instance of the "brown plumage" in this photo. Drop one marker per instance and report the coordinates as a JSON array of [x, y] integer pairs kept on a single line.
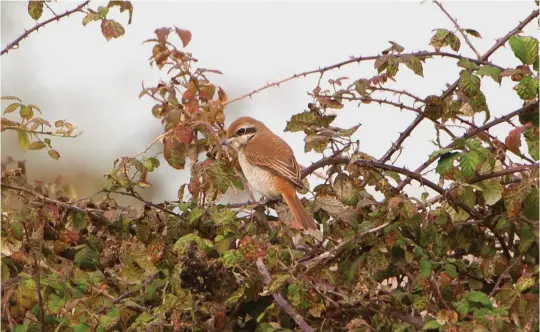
[[269, 165]]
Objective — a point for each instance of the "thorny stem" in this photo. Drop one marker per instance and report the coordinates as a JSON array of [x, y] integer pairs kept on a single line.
[[500, 42], [358, 59], [470, 134], [14, 44]]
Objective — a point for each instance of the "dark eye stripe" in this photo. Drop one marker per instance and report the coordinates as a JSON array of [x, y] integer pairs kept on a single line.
[[243, 131]]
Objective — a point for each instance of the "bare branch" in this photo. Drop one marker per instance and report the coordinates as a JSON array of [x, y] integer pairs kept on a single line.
[[460, 29], [14, 44]]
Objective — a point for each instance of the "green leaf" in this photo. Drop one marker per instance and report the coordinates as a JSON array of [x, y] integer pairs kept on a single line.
[[35, 9], [466, 195], [469, 83], [478, 297], [530, 205], [462, 307], [425, 268], [491, 71], [182, 242], [532, 138], [527, 88], [451, 270], [55, 303], [86, 259], [54, 154], [491, 190], [37, 146], [414, 64], [11, 108], [442, 38], [464, 63], [432, 324], [195, 214], [111, 29], [525, 48], [468, 163], [306, 120], [278, 280], [24, 142], [150, 164], [361, 87], [21, 328], [26, 112], [90, 17], [316, 143], [446, 162]]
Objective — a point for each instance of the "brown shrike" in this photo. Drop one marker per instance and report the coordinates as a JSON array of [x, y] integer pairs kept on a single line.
[[269, 166]]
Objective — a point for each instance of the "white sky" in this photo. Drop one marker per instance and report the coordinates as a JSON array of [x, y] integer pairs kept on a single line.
[[71, 72]]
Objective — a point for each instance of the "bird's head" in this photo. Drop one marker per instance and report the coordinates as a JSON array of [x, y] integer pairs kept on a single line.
[[241, 131]]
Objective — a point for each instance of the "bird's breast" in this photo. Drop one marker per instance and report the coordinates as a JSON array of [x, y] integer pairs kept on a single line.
[[258, 178]]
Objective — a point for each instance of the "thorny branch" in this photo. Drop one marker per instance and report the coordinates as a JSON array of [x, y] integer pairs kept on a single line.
[[500, 42], [283, 304], [358, 59], [470, 134], [14, 44]]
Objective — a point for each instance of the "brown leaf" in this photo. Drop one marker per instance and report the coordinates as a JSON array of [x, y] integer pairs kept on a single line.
[[513, 140], [54, 154], [184, 35], [222, 96], [111, 29], [35, 9]]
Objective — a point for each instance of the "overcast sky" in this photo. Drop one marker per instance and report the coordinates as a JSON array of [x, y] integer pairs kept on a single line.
[[71, 72]]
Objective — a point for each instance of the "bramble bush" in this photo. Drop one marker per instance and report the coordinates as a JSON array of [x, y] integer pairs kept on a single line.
[[464, 259]]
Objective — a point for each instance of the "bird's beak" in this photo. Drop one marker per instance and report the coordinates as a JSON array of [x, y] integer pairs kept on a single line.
[[225, 142]]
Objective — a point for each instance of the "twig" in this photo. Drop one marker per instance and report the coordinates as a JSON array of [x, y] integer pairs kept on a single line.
[[461, 31], [36, 27], [517, 169], [283, 304], [154, 142], [422, 54], [331, 254], [137, 196], [467, 135], [500, 42], [125, 295], [499, 280]]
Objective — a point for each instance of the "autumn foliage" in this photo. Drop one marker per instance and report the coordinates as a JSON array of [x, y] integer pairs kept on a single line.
[[461, 257]]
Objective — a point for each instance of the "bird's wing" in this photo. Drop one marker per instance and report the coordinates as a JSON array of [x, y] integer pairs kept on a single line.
[[274, 155]]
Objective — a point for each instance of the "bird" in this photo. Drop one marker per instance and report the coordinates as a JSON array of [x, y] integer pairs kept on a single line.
[[269, 166]]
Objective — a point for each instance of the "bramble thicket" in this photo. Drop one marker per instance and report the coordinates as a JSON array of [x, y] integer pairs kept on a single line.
[[464, 258]]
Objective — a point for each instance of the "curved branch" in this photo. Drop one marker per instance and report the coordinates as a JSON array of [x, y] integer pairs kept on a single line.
[[36, 27], [422, 54], [500, 42]]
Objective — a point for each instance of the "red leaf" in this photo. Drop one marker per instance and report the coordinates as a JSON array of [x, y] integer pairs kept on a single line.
[[111, 29], [184, 35], [190, 93], [183, 135], [162, 34], [513, 140], [193, 106]]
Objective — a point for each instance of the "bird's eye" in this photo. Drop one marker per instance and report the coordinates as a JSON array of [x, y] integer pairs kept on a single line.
[[241, 131]]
